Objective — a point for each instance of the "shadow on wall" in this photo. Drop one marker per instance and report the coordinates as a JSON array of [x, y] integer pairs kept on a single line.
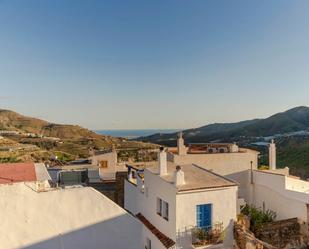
[[116, 233], [229, 235]]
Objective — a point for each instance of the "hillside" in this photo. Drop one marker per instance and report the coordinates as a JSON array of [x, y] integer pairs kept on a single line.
[[289, 121], [38, 140], [10, 120], [293, 147]]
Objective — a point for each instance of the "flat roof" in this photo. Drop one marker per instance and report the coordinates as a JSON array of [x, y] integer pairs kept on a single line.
[[141, 165], [196, 177], [75, 167], [80, 217]]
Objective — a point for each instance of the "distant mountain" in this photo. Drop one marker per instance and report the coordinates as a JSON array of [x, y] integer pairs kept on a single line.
[[289, 121]]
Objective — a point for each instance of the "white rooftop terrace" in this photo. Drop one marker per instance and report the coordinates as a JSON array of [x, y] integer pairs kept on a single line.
[[195, 177], [71, 218]]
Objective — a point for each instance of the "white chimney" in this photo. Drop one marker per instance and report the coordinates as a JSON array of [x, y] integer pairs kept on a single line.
[[234, 148], [140, 183], [181, 148], [162, 162], [179, 177], [272, 155]]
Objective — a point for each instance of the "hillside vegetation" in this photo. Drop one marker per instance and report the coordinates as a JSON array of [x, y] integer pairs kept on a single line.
[[39, 140]]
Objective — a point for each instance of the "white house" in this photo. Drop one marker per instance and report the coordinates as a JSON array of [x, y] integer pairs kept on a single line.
[[64, 218], [182, 206], [107, 161], [275, 189], [225, 159]]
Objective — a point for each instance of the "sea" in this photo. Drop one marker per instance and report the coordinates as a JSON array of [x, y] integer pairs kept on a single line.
[[130, 134]]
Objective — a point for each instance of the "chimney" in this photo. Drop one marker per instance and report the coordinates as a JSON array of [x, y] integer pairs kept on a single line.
[[140, 182], [234, 148], [179, 177], [162, 162], [181, 148], [272, 155]]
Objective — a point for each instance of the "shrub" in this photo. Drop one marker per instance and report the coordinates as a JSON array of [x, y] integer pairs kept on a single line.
[[263, 167], [258, 217]]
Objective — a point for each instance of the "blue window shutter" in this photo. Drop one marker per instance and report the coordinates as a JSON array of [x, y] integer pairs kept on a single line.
[[204, 215]]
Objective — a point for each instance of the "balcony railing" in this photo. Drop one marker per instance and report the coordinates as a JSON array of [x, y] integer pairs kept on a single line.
[[210, 235]]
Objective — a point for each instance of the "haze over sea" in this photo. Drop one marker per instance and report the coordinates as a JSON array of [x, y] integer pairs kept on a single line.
[[134, 133]]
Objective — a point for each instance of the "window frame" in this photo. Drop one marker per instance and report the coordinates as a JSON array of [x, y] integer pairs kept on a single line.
[[165, 210], [159, 206]]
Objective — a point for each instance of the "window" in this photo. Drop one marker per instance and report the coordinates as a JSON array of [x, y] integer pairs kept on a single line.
[[162, 208], [165, 210], [204, 216], [148, 243], [103, 164], [159, 206]]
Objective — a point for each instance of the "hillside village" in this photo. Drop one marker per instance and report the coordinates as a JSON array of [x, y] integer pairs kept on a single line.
[[154, 124], [203, 195]]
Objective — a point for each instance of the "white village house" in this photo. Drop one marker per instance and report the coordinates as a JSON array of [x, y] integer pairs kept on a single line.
[[206, 185], [225, 159], [277, 190], [107, 161], [37, 216], [174, 203]]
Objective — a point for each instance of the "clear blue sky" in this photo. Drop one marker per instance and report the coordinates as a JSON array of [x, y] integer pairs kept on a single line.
[[153, 64]]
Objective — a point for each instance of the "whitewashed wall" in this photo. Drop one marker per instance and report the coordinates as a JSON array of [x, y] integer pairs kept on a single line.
[[109, 172], [76, 218], [221, 163], [271, 191], [232, 165], [131, 202], [224, 209], [155, 242], [157, 187]]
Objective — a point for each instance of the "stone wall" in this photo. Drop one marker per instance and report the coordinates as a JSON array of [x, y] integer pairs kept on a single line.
[[244, 238], [283, 234], [119, 193]]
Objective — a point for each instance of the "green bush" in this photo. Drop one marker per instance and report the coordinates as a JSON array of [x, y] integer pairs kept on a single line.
[[11, 159], [258, 217], [64, 157]]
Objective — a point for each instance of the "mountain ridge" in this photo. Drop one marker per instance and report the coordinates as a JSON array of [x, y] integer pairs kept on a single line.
[[292, 120]]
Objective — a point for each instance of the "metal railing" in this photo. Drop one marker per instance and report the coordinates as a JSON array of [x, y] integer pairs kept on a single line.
[[207, 235]]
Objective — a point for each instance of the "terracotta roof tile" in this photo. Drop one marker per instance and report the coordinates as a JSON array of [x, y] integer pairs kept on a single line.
[[17, 172], [166, 241]]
